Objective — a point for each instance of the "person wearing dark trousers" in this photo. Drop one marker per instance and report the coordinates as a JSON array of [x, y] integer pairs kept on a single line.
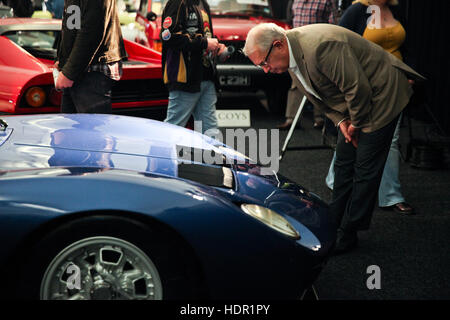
[[89, 56], [360, 87], [301, 13], [357, 178], [387, 32]]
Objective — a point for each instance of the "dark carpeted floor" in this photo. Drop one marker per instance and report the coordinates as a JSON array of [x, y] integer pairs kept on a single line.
[[412, 252]]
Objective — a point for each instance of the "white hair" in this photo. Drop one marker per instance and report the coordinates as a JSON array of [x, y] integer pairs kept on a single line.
[[262, 36]]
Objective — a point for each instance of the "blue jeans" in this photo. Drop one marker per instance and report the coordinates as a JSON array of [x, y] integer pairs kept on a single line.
[[390, 192], [202, 106]]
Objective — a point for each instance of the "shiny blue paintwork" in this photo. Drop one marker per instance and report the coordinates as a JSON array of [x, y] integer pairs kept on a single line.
[[240, 256]]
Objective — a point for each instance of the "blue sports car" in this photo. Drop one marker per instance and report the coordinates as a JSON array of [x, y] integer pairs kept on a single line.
[[115, 207]]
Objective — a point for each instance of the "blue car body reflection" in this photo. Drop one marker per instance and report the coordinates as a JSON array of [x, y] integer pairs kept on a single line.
[[56, 168]]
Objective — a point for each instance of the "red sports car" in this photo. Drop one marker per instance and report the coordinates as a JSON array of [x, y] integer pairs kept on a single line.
[[27, 56]]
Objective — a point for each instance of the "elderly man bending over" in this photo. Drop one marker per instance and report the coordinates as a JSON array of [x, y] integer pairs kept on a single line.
[[360, 87]]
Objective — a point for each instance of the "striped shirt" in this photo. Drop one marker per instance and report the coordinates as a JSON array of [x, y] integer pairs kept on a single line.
[[314, 11]]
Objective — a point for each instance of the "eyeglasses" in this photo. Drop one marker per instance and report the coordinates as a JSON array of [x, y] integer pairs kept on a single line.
[[264, 63]]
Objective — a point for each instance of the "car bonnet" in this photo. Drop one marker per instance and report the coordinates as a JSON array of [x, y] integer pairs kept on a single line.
[[102, 141]]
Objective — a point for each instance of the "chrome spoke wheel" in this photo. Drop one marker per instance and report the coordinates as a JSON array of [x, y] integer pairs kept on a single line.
[[101, 268]]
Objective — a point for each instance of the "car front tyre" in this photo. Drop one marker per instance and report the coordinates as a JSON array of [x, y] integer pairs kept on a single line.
[[101, 268], [104, 258]]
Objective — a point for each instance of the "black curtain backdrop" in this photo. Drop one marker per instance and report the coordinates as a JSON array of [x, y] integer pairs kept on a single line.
[[427, 37], [279, 8]]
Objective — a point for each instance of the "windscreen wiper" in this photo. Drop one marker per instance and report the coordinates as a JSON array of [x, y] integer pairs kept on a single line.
[[3, 125]]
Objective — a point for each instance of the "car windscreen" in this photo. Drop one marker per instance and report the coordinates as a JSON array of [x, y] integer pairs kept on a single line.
[[41, 44], [219, 7], [245, 7]]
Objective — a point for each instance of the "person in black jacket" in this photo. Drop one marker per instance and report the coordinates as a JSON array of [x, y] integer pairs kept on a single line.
[[188, 48], [90, 55]]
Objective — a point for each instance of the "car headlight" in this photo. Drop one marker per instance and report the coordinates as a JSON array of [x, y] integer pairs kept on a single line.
[[271, 219]]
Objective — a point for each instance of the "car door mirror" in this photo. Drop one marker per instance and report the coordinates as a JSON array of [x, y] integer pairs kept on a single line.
[[151, 16]]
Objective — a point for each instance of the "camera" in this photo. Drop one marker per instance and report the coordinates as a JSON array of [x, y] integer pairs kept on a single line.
[[226, 54]]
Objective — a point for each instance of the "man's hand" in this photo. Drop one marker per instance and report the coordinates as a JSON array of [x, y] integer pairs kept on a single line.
[[213, 45], [354, 135], [350, 133], [63, 82], [220, 49], [344, 128]]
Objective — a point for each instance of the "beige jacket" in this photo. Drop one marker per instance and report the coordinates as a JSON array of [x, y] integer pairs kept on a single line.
[[354, 77]]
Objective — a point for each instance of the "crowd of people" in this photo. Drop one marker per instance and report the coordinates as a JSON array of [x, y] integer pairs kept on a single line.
[[350, 69]]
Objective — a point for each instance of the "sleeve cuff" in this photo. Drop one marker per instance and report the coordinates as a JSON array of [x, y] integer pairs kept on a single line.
[[337, 125]]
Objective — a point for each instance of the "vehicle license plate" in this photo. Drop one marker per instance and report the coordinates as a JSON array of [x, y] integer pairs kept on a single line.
[[234, 80]]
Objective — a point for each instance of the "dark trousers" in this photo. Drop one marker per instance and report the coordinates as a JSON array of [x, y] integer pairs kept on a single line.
[[90, 94], [358, 173]]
